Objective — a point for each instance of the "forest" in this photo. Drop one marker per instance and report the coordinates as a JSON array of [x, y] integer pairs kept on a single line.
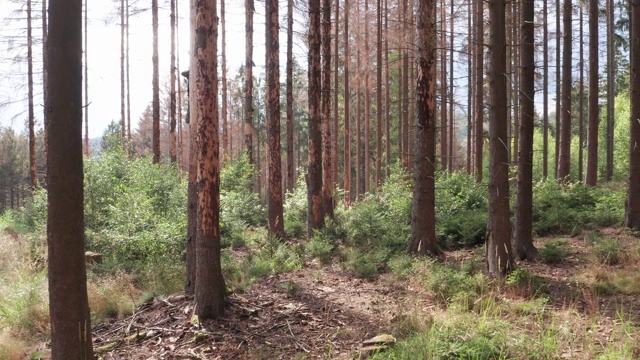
[[401, 179]]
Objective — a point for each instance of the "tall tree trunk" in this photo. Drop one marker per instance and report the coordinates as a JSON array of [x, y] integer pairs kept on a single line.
[[314, 197], [45, 75], [248, 81], [632, 208], [172, 90], [359, 167], [545, 90], [379, 96], [387, 90], [274, 162], [564, 159], [581, 95], [611, 87], [86, 79], [123, 124], [181, 152], [522, 237], [405, 86], [336, 79], [291, 181], [225, 111], [327, 163], [192, 180], [68, 302], [423, 217], [451, 107], [128, 68], [155, 139], [594, 110], [558, 90], [32, 133], [479, 91], [347, 115], [470, 107], [498, 246], [210, 287], [367, 103]]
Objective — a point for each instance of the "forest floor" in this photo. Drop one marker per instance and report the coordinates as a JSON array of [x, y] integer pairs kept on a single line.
[[323, 311]]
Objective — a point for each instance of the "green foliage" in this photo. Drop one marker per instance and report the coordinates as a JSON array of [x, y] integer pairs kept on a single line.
[[529, 285], [295, 210], [365, 264], [608, 251], [553, 252], [461, 210], [402, 265], [320, 247], [33, 216]]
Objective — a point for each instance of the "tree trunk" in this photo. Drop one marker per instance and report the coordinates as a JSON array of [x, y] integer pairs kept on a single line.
[[581, 95], [192, 181], [451, 107], [558, 90], [128, 68], [347, 115], [594, 110], [367, 103], [45, 74], [327, 164], [632, 209], [291, 181], [225, 112], [68, 302], [564, 159], [379, 96], [314, 197], [423, 217], [274, 162], [479, 91], [405, 87], [387, 90], [545, 91], [611, 87], [86, 79], [336, 79], [123, 124], [210, 288], [522, 237], [172, 80], [470, 57], [32, 133], [156, 85], [498, 247], [248, 80]]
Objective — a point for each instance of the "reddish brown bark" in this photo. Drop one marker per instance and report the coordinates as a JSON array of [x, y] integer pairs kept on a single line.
[[210, 287], [291, 181], [31, 120], [226, 151], [327, 142], [172, 89], [479, 92], [155, 139], [564, 157], [274, 195], [347, 115], [594, 109], [248, 80], [314, 189], [632, 209]]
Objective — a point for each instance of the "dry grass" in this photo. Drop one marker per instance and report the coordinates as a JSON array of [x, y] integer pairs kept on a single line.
[[11, 347], [112, 296]]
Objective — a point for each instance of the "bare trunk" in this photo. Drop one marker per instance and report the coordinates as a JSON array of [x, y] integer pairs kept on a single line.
[[68, 302], [248, 81], [379, 96], [558, 90], [45, 75], [451, 107], [172, 91], [314, 191], [274, 163], [594, 109], [564, 159], [347, 115], [545, 90], [522, 237], [611, 87], [210, 287], [291, 181], [327, 163], [423, 234], [581, 95], [632, 208], [128, 68], [479, 91], [367, 103], [335, 98], [32, 133], [225, 112], [156, 85], [387, 90], [405, 86], [498, 246], [123, 124]]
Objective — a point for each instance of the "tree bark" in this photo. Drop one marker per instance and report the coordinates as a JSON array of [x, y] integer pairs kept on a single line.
[[498, 247], [225, 113], [336, 80], [479, 91], [128, 85], [522, 238], [564, 159], [248, 80], [367, 104], [632, 209], [594, 109], [314, 191], [581, 95], [274, 162], [210, 287], [347, 115], [558, 90], [156, 85], [123, 124], [379, 96], [387, 90], [423, 233], [451, 104], [327, 163], [291, 181], [45, 74], [172, 90], [32, 133], [545, 90], [405, 87], [611, 87], [68, 301]]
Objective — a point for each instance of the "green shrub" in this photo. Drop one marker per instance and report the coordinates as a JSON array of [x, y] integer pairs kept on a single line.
[[295, 210], [402, 265], [319, 247], [529, 285], [553, 252], [365, 264], [608, 251], [33, 216]]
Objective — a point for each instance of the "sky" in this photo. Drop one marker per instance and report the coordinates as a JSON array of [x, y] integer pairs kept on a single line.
[[104, 57]]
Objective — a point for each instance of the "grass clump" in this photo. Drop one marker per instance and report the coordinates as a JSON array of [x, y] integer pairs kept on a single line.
[[113, 296], [608, 251], [319, 247], [526, 284], [553, 251]]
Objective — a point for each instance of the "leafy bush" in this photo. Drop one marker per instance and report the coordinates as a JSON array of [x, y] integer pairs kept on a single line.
[[320, 247], [553, 252], [295, 210], [33, 216], [365, 264], [238, 203]]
